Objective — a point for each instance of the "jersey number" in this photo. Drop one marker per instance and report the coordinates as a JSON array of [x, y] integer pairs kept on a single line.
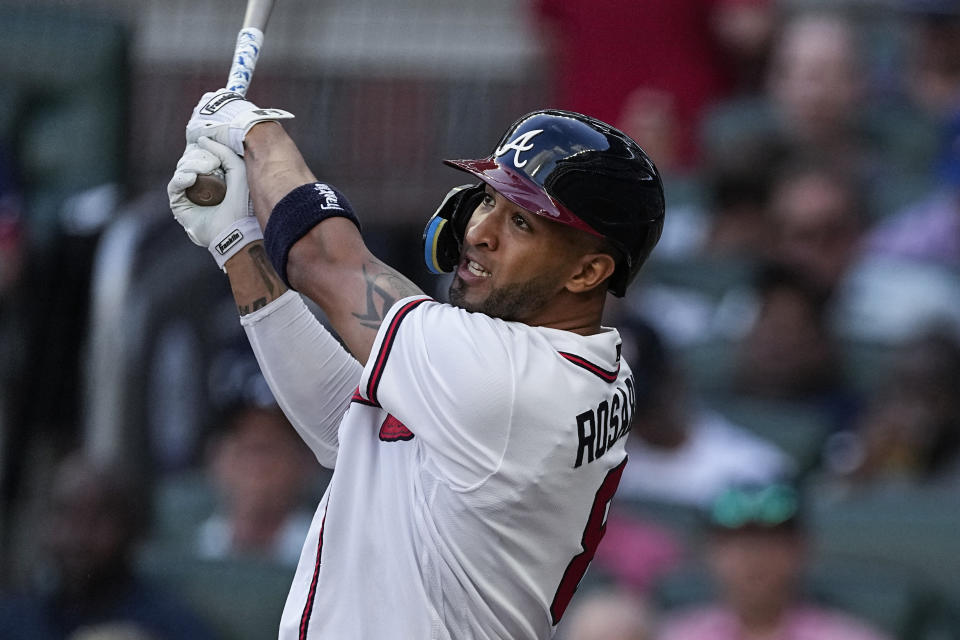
[[592, 534]]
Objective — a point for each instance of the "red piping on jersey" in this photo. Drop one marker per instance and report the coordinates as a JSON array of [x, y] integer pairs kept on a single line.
[[308, 607], [386, 346], [359, 399], [600, 372]]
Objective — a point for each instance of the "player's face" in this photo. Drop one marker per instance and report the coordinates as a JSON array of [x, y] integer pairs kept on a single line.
[[513, 263]]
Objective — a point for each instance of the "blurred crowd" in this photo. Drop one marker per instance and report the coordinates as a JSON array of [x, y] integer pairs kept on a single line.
[[796, 335], [795, 453]]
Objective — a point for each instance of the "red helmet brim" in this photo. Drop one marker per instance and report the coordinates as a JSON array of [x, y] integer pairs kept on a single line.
[[522, 192]]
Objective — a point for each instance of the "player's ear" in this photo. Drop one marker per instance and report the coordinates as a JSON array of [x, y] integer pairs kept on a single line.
[[593, 270]]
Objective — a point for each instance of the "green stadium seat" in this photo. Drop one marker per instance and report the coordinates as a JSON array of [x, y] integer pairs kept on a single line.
[[63, 104], [240, 599], [798, 429], [912, 527]]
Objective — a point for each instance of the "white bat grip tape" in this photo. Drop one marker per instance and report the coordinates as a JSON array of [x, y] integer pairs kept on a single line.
[[249, 45]]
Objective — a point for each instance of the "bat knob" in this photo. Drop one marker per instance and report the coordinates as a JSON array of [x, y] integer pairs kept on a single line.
[[208, 190]]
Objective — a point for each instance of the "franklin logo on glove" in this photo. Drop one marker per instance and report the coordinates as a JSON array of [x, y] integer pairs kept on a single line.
[[232, 239], [218, 101]]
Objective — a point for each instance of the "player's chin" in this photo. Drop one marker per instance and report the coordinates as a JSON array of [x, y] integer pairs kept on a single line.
[[458, 295], [465, 295]]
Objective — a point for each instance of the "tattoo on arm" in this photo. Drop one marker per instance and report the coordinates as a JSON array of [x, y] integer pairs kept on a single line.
[[259, 303], [264, 268], [254, 282], [383, 289]]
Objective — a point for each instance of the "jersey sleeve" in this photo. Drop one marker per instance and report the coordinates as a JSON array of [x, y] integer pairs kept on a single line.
[[310, 374], [447, 376]]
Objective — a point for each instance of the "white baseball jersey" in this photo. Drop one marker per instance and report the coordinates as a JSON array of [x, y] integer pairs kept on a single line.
[[476, 462]]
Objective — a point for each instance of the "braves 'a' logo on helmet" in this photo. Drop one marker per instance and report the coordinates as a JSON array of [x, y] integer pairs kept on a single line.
[[574, 170], [523, 142]]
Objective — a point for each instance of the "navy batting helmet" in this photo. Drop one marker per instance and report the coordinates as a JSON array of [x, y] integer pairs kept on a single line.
[[569, 168]]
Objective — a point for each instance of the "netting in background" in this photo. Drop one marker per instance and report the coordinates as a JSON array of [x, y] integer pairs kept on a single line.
[[94, 98], [93, 101], [382, 90]]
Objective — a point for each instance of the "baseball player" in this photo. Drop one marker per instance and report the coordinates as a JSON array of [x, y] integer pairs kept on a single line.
[[476, 444]]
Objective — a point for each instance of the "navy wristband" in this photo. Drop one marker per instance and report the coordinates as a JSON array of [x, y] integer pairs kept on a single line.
[[299, 211]]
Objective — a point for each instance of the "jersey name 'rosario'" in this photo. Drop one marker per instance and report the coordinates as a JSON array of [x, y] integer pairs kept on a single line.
[[476, 463]]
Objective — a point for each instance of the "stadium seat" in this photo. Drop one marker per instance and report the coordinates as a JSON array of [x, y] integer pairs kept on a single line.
[[240, 599], [912, 527], [63, 105], [798, 429]]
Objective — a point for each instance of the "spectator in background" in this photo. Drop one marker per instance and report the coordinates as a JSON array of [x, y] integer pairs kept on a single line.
[[681, 455], [908, 274], [789, 353], [697, 290], [94, 520], [738, 184], [112, 632], [818, 216], [11, 230], [609, 614], [12, 350], [821, 99], [679, 452], [813, 92], [933, 69], [816, 84], [910, 430], [262, 472], [928, 230], [651, 67], [756, 551]]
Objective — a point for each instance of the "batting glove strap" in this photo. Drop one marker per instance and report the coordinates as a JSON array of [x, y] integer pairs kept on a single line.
[[296, 214], [227, 116], [234, 238]]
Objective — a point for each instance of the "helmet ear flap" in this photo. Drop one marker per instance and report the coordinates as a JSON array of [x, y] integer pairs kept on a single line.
[[444, 232]]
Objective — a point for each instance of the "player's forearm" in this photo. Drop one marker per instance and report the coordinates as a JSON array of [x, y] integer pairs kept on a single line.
[[275, 167], [253, 280], [331, 265]]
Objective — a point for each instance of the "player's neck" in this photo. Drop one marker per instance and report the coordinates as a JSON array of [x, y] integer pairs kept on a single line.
[[580, 314]]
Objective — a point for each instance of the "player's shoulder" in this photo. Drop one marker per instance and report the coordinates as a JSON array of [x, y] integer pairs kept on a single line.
[[440, 319], [451, 331], [598, 354]]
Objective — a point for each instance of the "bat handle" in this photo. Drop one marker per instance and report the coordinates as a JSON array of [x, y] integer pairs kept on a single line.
[[208, 190]]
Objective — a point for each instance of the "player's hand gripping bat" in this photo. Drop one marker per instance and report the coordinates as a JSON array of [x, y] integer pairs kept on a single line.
[[209, 189]]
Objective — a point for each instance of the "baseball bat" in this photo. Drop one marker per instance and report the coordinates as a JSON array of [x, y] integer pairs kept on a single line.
[[209, 189]]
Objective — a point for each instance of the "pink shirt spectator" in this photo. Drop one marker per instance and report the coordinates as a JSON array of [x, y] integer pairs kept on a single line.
[[801, 623]]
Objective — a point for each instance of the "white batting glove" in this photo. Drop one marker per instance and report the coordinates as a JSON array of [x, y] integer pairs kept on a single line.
[[224, 228], [226, 117]]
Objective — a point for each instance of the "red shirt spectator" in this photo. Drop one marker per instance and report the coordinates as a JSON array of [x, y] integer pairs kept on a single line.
[[628, 62]]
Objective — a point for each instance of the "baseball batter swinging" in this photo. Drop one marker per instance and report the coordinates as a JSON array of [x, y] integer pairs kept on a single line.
[[476, 444]]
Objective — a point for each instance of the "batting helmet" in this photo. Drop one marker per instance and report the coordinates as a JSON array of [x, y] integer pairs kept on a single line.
[[569, 168]]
